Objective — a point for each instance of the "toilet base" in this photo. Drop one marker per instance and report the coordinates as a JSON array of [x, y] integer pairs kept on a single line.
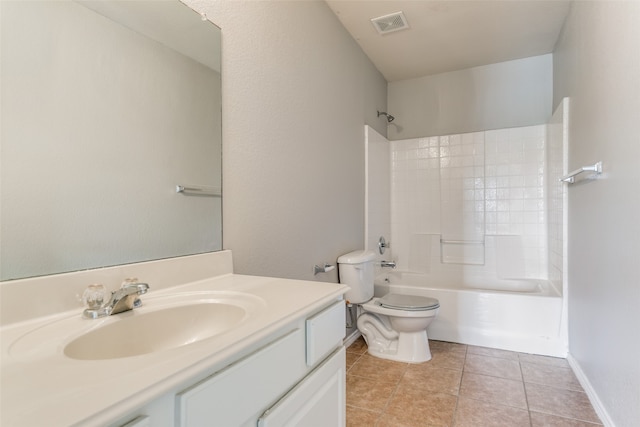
[[410, 348], [386, 343]]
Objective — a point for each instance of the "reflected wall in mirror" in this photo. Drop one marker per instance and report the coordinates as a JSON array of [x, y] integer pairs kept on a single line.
[[106, 107]]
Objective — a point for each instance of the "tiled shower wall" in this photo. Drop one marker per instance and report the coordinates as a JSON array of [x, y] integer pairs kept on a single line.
[[471, 204]]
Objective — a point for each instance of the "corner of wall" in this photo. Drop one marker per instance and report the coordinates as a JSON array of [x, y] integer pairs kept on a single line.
[[597, 404]]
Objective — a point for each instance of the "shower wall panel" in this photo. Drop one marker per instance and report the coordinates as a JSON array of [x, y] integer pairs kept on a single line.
[[462, 186], [557, 191], [516, 192], [415, 200], [484, 190], [462, 207]]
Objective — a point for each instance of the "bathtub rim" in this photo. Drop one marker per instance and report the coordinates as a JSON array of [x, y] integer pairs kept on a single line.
[[535, 329], [545, 288]]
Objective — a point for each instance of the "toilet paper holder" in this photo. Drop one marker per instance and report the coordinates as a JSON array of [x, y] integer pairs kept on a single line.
[[323, 269]]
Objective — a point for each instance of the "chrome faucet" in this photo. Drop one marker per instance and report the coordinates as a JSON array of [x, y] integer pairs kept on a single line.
[[124, 299], [389, 264]]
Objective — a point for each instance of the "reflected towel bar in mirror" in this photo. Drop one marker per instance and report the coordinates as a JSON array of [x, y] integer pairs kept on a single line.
[[199, 190]]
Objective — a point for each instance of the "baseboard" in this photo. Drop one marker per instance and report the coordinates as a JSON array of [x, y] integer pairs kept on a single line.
[[351, 338], [591, 393]]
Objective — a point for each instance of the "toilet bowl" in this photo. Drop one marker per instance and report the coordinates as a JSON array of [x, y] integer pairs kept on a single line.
[[398, 332], [395, 325]]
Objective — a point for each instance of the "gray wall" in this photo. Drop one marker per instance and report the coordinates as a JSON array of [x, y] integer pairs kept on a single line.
[[297, 91], [597, 64], [509, 94]]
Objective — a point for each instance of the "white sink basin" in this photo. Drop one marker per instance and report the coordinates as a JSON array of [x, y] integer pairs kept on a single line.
[[140, 333], [162, 323]]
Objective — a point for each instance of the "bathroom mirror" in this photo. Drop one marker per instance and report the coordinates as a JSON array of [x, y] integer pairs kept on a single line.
[[107, 106]]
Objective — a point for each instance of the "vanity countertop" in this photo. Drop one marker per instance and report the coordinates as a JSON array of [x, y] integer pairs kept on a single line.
[[42, 386]]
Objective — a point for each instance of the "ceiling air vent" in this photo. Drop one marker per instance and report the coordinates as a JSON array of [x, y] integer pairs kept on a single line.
[[390, 23]]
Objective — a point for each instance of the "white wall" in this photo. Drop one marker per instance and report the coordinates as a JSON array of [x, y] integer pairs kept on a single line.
[[378, 193], [509, 94], [597, 64], [297, 90]]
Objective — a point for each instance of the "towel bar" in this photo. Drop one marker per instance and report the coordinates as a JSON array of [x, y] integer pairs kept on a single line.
[[462, 242], [199, 190], [570, 178]]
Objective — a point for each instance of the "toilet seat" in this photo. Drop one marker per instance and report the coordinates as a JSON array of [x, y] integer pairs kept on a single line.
[[396, 333], [408, 302]]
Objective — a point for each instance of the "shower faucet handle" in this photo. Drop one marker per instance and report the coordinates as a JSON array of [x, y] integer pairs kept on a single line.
[[383, 244]]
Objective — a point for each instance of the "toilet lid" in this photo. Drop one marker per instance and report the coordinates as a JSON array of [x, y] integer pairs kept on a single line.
[[408, 302]]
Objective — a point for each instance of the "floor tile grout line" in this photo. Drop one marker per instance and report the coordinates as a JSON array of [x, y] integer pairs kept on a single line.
[[554, 387], [520, 377], [494, 376], [463, 370], [565, 417], [521, 381], [360, 408], [395, 390], [495, 357], [526, 395], [455, 409]]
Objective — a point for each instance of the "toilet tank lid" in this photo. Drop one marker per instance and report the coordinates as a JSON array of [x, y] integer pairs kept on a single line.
[[357, 257]]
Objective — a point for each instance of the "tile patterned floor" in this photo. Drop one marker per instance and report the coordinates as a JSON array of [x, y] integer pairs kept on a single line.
[[464, 386]]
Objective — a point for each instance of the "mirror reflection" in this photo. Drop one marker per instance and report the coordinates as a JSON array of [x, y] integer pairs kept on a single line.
[[107, 106]]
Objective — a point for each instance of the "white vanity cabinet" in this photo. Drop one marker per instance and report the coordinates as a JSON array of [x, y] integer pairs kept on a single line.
[[296, 379], [317, 401], [282, 363]]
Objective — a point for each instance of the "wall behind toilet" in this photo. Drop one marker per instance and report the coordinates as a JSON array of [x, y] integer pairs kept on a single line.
[[297, 90]]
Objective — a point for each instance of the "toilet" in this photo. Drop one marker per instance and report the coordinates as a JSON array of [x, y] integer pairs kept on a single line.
[[394, 325]]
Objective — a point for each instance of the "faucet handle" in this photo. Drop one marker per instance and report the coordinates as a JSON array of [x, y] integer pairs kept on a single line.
[[129, 281], [94, 296], [382, 245]]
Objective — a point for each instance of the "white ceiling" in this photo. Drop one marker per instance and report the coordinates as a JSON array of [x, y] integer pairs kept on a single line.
[[452, 35]]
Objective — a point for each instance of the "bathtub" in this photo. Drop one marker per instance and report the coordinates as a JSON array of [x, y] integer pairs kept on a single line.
[[527, 318]]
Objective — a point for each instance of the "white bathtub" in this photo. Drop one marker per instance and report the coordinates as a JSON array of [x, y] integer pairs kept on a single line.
[[528, 321]]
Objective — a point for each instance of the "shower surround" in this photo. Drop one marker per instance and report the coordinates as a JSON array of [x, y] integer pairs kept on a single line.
[[476, 220], [472, 204]]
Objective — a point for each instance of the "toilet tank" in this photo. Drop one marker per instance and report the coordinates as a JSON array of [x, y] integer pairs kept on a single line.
[[356, 271]]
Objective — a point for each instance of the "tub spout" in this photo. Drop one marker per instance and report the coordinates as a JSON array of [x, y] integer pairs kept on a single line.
[[389, 264]]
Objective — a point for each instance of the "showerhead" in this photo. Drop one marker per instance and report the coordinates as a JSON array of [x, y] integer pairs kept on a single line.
[[389, 117]]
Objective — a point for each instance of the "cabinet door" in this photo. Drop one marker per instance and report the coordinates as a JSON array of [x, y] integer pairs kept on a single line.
[[317, 401], [238, 395], [325, 332], [142, 421]]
